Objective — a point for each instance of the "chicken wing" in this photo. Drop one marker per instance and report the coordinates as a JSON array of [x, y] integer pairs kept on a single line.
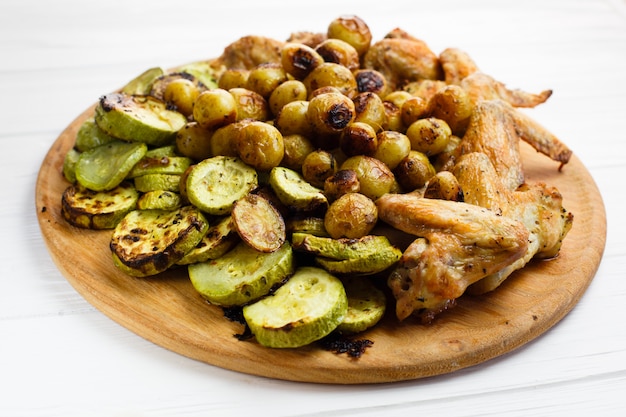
[[402, 60], [457, 245], [538, 206]]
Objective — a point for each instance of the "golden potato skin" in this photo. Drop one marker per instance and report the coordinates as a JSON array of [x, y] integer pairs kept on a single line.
[[264, 78], [353, 30], [233, 78], [317, 166], [429, 136], [371, 81], [414, 171], [339, 52], [452, 104], [370, 109], [444, 186], [297, 147], [215, 108], [330, 113], [299, 60], [250, 104], [393, 147], [374, 176], [194, 141], [352, 215], [259, 145], [286, 92], [182, 93], [292, 119], [343, 182], [330, 74], [358, 139]]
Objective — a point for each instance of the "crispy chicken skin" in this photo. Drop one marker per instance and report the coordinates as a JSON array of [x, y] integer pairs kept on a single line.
[[538, 206], [456, 65], [501, 225], [250, 51], [481, 86], [458, 244], [403, 60]]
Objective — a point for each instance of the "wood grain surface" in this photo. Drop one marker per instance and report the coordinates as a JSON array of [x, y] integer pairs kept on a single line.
[[166, 309]]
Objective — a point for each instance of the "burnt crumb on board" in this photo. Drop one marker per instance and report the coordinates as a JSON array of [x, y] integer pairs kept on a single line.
[[44, 209], [235, 314], [339, 344]]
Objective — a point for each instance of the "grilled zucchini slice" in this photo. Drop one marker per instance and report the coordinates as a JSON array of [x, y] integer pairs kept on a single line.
[[159, 200], [106, 166], [156, 182], [147, 242], [89, 209], [142, 84], [259, 223], [138, 119], [215, 184], [219, 239], [89, 136], [170, 165], [366, 264], [306, 308], [293, 190], [366, 305], [241, 275]]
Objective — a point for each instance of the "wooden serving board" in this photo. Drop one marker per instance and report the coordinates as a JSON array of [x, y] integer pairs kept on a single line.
[[168, 311]]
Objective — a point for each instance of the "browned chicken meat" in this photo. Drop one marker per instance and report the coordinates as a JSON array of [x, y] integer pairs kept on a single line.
[[501, 225], [250, 51], [458, 244], [402, 60]]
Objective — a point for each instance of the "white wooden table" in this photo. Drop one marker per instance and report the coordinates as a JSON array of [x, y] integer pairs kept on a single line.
[[59, 356]]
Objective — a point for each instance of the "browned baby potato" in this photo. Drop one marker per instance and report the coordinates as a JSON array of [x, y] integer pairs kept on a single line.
[[413, 109], [358, 139], [292, 119], [317, 166], [233, 78], [194, 141], [286, 92], [370, 109], [414, 171], [330, 113], [429, 136], [371, 81], [374, 176], [264, 78], [259, 145], [330, 74], [297, 147], [444, 186], [352, 215], [182, 93], [339, 52], [353, 30], [215, 108], [223, 139], [343, 182], [250, 104], [299, 60], [453, 105], [392, 148]]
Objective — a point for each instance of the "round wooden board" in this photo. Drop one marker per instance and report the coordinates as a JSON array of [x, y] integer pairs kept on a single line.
[[168, 311]]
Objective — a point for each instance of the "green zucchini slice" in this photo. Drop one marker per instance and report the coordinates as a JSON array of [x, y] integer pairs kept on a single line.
[[89, 209], [366, 305], [106, 166], [219, 239], [215, 184], [293, 190], [306, 308], [241, 275], [147, 242], [138, 119]]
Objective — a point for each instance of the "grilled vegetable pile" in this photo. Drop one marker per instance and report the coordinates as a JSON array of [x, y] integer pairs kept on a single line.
[[265, 173]]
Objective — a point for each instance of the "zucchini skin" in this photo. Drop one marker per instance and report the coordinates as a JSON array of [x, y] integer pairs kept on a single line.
[[148, 242], [89, 209]]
